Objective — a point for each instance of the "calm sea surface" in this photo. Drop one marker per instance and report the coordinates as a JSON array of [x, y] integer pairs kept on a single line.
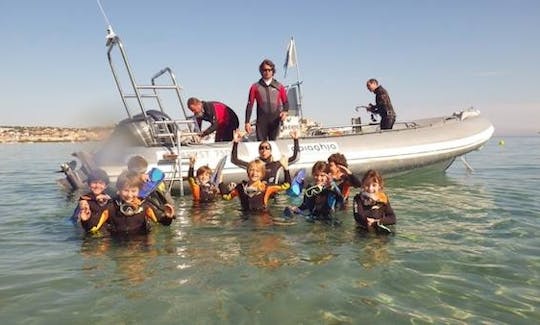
[[466, 251]]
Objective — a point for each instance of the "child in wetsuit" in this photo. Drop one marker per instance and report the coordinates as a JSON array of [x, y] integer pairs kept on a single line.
[[255, 193], [340, 173], [127, 214], [272, 166], [202, 189], [160, 199], [320, 198], [93, 203], [371, 206]]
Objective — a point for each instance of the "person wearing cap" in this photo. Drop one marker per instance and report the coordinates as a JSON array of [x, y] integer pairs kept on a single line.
[[93, 203]]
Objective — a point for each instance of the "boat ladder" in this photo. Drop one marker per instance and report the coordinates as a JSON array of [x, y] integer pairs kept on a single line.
[[163, 131], [174, 159]]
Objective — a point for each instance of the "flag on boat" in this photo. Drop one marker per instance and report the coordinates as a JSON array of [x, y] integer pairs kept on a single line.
[[290, 59]]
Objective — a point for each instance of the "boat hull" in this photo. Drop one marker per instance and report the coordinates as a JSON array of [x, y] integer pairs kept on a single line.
[[419, 146]]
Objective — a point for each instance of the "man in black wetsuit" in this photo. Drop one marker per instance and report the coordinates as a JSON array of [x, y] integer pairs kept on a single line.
[[222, 118], [382, 106]]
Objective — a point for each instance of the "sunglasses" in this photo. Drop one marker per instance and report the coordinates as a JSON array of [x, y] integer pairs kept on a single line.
[[264, 148], [267, 70]]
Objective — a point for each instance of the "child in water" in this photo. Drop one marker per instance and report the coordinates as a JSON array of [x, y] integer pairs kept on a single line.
[[265, 155], [344, 178], [372, 210], [93, 203], [127, 214], [319, 198], [161, 200], [255, 193], [202, 189]]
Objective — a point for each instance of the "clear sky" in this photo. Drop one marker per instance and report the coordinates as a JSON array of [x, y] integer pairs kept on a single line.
[[433, 57]]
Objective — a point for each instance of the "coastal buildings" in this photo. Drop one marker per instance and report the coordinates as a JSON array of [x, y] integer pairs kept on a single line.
[[18, 134]]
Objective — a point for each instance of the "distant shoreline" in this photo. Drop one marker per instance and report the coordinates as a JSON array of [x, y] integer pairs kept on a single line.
[[46, 134]]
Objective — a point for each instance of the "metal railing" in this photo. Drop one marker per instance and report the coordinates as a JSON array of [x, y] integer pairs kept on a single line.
[[152, 91]]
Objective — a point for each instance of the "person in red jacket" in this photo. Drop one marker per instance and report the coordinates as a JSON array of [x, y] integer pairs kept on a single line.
[[272, 103], [222, 118]]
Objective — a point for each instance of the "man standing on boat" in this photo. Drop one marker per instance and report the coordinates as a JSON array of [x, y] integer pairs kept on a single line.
[[272, 103], [382, 106], [222, 118]]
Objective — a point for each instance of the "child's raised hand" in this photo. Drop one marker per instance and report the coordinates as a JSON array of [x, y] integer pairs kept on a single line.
[[84, 210], [329, 180], [344, 169], [145, 177]]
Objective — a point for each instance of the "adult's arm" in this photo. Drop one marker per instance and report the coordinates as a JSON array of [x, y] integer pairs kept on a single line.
[[296, 150], [284, 99], [234, 157], [251, 101], [210, 116]]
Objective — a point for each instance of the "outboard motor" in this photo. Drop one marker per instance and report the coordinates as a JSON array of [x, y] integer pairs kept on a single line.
[[133, 132], [72, 176], [138, 131]]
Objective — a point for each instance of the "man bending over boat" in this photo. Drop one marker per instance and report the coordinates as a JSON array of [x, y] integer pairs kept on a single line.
[[382, 106], [222, 118]]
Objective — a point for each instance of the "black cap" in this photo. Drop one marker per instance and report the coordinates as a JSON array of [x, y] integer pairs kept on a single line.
[[98, 175]]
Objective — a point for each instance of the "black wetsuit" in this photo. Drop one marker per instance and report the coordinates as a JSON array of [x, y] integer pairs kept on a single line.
[[368, 207], [125, 221], [96, 209], [345, 183], [271, 101], [384, 108], [254, 197], [222, 118], [271, 166], [202, 192], [318, 201]]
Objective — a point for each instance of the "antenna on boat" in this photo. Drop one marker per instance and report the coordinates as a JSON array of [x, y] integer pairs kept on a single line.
[[111, 36]]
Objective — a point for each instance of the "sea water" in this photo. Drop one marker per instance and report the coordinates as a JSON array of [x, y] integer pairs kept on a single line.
[[466, 251]]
